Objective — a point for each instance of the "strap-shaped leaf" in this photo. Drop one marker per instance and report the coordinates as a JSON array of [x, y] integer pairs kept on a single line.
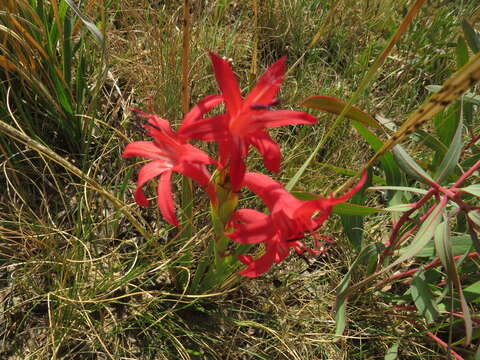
[[423, 298], [355, 209], [341, 300], [400, 188], [450, 160], [335, 106], [472, 190], [400, 207], [461, 51], [389, 166], [97, 34], [473, 39], [444, 249], [409, 165], [392, 352]]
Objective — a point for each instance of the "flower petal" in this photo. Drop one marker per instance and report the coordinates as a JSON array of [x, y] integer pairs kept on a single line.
[[165, 198], [271, 192], [208, 129], [146, 149], [248, 216], [200, 175], [268, 148], [254, 232], [273, 119], [227, 83], [201, 108], [147, 172], [267, 86], [237, 165], [154, 119], [257, 267]]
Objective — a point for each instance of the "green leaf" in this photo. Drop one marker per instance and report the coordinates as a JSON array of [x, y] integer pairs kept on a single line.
[[389, 166], [472, 292], [366, 253], [355, 209], [432, 142], [474, 216], [461, 51], [335, 106], [450, 160], [445, 125], [400, 188], [472, 190], [423, 298], [409, 165], [67, 51], [97, 34], [353, 225], [443, 244], [421, 239], [460, 245], [471, 36], [400, 207], [392, 352]]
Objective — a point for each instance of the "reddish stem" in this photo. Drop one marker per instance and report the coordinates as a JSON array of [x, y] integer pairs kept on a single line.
[[470, 144], [444, 345], [435, 262], [466, 174]]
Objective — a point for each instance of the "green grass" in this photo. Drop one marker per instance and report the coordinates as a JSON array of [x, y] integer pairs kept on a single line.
[[77, 278]]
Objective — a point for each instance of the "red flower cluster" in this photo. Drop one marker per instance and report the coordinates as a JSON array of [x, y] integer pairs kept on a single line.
[[243, 124]]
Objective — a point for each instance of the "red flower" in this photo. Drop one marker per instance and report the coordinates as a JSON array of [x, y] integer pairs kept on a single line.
[[286, 225], [245, 121], [169, 153]]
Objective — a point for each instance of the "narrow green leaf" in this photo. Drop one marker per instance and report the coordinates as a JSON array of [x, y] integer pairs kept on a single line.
[[473, 39], [81, 84], [97, 34], [421, 239], [475, 216], [472, 292], [353, 224], [450, 160], [392, 352], [472, 190], [423, 298], [389, 166], [409, 165], [67, 50], [335, 106], [461, 51], [62, 97], [355, 209], [432, 142], [366, 253], [400, 188], [400, 207], [460, 245], [443, 245]]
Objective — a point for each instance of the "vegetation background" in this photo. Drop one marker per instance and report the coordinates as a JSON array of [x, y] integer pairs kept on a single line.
[[78, 278]]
